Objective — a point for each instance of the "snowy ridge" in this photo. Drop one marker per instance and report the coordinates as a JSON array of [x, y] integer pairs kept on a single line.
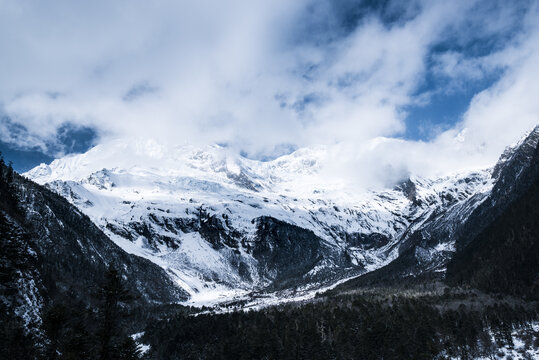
[[199, 212]]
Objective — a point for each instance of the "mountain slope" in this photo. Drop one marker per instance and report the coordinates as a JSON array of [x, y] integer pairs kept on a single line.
[[504, 256], [499, 235], [49, 249]]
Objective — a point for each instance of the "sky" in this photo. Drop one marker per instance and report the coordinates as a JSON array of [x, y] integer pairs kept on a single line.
[[393, 87]]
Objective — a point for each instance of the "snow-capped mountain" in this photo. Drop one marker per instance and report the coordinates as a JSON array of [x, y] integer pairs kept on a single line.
[[49, 249], [223, 225]]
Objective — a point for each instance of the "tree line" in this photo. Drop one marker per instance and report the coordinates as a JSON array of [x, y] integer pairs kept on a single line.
[[346, 327]]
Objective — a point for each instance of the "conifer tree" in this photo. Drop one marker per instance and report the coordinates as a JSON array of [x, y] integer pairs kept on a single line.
[[9, 173], [110, 336]]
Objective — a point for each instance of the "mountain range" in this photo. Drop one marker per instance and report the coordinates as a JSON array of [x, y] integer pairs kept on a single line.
[[205, 227], [222, 226]]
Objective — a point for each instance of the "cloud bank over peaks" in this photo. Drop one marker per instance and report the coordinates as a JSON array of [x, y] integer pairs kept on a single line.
[[268, 77]]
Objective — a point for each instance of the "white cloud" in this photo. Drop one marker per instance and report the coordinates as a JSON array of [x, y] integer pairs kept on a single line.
[[246, 74]]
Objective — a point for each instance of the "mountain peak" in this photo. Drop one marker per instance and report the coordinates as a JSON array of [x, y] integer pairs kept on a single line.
[[520, 152]]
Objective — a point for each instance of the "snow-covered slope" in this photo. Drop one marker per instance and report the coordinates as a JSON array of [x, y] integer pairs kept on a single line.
[[221, 224]]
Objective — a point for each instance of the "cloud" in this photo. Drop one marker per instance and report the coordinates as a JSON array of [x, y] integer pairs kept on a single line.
[[139, 90], [264, 76], [501, 114]]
